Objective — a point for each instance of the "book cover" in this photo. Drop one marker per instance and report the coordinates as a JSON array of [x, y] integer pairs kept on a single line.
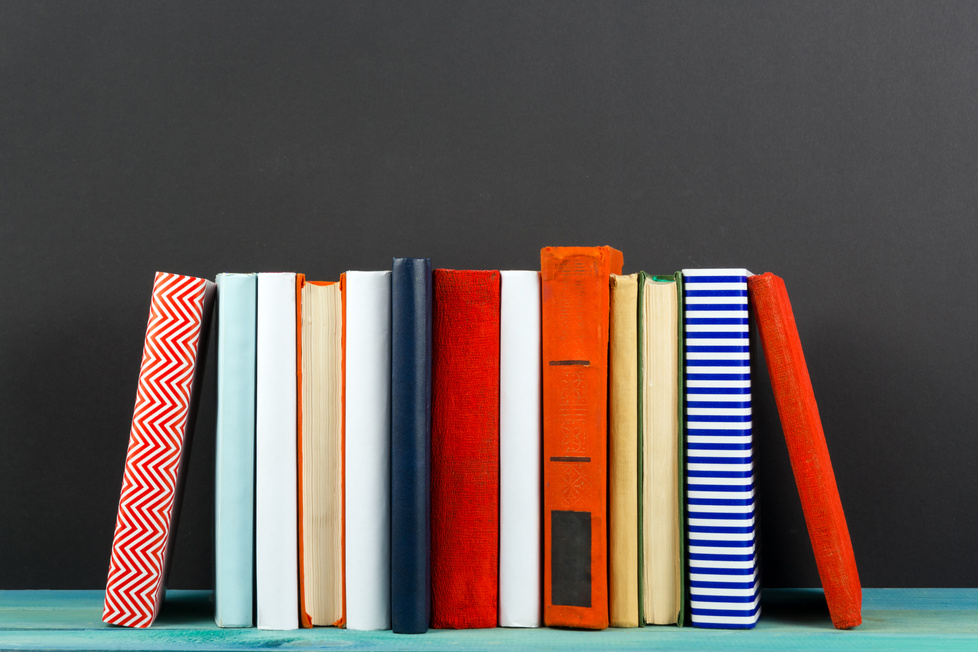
[[276, 501], [623, 464], [465, 449], [723, 577], [410, 445], [234, 469], [575, 320], [661, 448], [519, 449], [807, 449], [367, 324], [319, 347], [159, 441]]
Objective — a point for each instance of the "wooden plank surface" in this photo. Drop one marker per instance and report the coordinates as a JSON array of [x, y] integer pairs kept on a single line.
[[792, 619]]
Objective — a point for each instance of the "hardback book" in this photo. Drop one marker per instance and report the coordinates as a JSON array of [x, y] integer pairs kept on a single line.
[[623, 446], [276, 503], [319, 352], [807, 449], [368, 450], [661, 427], [519, 449], [159, 442], [234, 472], [465, 449], [575, 320], [723, 577], [410, 445]]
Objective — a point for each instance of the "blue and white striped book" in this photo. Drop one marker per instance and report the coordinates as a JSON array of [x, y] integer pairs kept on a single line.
[[723, 571]]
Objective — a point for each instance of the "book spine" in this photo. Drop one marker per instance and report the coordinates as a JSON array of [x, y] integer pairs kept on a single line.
[[575, 318], [519, 449], [276, 536], [623, 464], [320, 414], [159, 438], [368, 450], [465, 449], [234, 473], [662, 448], [807, 449], [410, 444], [724, 586]]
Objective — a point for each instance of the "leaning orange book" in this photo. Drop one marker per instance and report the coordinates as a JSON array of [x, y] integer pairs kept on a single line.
[[575, 323]]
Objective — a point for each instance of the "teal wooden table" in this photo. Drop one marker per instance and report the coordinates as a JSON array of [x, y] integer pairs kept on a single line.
[[792, 619]]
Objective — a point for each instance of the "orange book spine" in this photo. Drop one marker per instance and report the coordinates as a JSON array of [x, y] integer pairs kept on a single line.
[[342, 621], [305, 616], [575, 321], [305, 619]]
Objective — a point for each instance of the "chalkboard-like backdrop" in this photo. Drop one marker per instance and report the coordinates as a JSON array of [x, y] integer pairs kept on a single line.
[[833, 144]]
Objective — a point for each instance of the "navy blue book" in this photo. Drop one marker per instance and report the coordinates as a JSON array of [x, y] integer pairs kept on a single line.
[[410, 445]]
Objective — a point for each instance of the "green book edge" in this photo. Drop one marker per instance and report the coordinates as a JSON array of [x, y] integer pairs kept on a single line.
[[640, 322], [676, 278]]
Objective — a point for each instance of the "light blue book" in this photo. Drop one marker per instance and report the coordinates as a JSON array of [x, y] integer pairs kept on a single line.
[[234, 476]]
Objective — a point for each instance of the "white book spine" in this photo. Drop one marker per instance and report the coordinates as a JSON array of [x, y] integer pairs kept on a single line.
[[276, 546], [519, 450], [368, 424]]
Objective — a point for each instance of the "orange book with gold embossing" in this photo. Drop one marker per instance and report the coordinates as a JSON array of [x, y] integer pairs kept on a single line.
[[575, 320]]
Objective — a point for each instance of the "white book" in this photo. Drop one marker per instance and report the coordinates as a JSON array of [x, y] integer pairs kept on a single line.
[[368, 432], [276, 546], [519, 450]]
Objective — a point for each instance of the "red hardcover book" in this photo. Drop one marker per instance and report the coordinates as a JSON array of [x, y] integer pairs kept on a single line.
[[465, 449], [575, 319], [159, 441], [807, 449]]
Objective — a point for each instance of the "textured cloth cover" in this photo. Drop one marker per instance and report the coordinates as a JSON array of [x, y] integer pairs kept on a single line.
[[807, 449], [162, 423], [575, 319], [465, 449]]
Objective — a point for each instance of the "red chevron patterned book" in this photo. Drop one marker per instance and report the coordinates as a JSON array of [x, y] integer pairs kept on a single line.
[[162, 423], [465, 449], [807, 449]]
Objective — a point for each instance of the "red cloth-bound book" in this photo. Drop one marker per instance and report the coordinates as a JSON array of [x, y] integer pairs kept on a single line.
[[807, 449], [465, 449]]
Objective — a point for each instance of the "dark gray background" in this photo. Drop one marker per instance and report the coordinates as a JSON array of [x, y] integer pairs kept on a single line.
[[835, 144]]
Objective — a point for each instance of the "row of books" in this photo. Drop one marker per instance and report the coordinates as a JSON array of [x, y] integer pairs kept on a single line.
[[380, 441]]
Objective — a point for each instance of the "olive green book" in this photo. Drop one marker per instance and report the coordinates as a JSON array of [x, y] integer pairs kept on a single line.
[[660, 458]]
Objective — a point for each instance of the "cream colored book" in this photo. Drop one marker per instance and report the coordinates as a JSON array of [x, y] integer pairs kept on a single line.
[[623, 567], [320, 414], [660, 395]]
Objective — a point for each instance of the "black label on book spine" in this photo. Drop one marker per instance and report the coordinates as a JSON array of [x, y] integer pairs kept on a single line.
[[570, 556]]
